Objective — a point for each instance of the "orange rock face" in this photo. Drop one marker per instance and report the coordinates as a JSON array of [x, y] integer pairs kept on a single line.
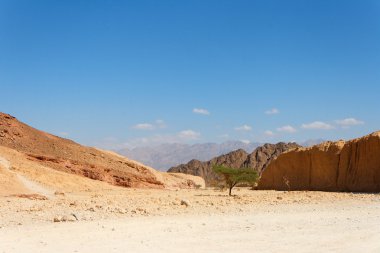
[[352, 166], [70, 157]]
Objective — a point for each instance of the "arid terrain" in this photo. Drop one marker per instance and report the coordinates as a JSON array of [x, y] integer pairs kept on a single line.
[[59, 196], [235, 126], [154, 220]]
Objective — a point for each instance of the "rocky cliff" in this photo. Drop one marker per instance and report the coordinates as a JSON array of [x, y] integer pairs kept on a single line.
[[331, 166], [257, 160], [70, 157]]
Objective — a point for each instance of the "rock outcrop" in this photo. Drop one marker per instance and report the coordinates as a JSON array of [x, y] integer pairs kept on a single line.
[[257, 160], [70, 157], [352, 166]]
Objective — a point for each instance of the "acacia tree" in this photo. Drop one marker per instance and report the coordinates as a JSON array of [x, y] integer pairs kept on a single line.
[[233, 177]]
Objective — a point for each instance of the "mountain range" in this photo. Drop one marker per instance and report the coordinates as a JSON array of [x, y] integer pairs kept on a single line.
[[258, 160], [167, 155]]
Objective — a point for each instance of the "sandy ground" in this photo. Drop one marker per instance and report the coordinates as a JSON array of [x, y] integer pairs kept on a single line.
[[128, 220], [96, 217]]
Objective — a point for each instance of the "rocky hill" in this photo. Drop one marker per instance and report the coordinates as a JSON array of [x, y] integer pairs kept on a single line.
[[331, 166], [165, 156], [67, 156], [257, 160]]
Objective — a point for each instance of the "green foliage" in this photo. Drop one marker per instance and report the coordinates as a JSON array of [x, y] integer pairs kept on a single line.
[[233, 177]]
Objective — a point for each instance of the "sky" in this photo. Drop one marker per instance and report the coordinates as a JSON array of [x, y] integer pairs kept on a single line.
[[117, 74]]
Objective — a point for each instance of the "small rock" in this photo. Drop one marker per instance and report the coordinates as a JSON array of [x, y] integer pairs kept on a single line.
[[141, 210], [185, 203], [35, 209], [279, 198], [57, 219], [65, 218], [120, 210], [59, 193]]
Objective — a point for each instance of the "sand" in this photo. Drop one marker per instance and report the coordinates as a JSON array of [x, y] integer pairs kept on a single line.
[[131, 220], [97, 217]]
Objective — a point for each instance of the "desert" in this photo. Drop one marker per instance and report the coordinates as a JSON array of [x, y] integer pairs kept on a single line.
[[53, 208], [189, 126], [144, 220]]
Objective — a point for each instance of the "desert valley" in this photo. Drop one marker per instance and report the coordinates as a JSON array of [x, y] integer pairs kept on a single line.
[[59, 194], [189, 126]]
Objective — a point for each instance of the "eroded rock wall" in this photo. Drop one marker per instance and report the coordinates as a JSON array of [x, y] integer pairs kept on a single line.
[[331, 166]]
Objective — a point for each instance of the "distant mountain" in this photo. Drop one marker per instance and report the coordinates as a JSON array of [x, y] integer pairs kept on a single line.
[[258, 160], [164, 156]]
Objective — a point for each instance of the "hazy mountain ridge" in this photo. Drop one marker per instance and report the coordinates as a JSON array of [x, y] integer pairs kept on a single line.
[[167, 155]]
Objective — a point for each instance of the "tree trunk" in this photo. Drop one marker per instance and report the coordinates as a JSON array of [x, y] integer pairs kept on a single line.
[[230, 191]]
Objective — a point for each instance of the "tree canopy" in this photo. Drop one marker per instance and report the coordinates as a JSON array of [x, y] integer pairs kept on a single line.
[[235, 176]]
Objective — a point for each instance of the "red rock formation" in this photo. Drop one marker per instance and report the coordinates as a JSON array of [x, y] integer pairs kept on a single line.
[[331, 166], [70, 157]]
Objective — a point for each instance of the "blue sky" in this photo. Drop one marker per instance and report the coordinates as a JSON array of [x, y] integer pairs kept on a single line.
[[129, 73]]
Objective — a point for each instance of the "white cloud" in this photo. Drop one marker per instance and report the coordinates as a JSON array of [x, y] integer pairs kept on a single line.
[[346, 123], [269, 133], [317, 125], [224, 136], [144, 126], [185, 136], [272, 111], [189, 135], [245, 141], [201, 111], [158, 124], [243, 128], [287, 129]]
